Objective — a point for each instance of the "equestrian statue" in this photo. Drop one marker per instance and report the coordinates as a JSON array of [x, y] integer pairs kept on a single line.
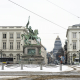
[[30, 35]]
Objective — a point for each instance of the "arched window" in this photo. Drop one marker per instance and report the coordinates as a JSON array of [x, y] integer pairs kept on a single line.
[[11, 55], [74, 56], [4, 55]]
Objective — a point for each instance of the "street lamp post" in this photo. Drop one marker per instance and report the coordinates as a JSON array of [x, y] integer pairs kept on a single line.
[[1, 55], [79, 57], [71, 58]]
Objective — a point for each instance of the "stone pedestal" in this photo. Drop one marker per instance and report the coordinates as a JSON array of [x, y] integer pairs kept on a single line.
[[32, 54]]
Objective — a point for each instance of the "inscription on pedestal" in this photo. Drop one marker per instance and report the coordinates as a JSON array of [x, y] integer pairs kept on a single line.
[[31, 51]]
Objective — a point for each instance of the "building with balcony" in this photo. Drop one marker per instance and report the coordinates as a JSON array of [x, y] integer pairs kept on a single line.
[[73, 43]]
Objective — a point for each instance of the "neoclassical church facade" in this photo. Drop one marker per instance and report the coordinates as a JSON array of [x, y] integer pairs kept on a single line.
[[57, 46]]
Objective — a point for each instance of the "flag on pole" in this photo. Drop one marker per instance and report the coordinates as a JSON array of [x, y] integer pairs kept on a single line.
[[28, 22]]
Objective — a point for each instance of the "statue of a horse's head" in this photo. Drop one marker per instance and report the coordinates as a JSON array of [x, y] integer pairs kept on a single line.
[[22, 35], [35, 31]]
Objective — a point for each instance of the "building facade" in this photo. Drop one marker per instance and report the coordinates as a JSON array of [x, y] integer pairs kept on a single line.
[[57, 46], [44, 54], [65, 51], [73, 43], [49, 58], [11, 43]]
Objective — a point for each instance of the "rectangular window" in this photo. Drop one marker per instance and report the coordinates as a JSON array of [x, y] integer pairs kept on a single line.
[[74, 45], [11, 35], [18, 45], [11, 45], [4, 35], [74, 35], [4, 45], [18, 35]]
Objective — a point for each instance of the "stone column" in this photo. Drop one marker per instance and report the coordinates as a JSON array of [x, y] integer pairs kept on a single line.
[[25, 52], [2, 66], [60, 66], [36, 51], [41, 66], [21, 65]]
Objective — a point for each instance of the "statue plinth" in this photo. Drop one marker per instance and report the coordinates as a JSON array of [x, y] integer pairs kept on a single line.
[[32, 54]]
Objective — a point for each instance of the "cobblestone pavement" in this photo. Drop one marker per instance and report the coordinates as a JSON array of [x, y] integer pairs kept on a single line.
[[65, 79], [47, 77], [37, 73]]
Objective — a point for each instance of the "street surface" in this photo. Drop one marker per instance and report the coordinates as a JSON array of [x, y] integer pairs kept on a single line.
[[73, 74]]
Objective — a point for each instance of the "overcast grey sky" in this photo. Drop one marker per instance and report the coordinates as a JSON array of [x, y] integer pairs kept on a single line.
[[13, 15]]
